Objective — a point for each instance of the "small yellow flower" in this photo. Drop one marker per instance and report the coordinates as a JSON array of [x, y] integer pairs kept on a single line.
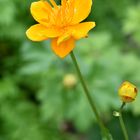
[[60, 23], [127, 92]]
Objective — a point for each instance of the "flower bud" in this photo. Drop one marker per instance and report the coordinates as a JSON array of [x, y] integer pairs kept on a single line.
[[127, 92], [70, 81], [116, 114]]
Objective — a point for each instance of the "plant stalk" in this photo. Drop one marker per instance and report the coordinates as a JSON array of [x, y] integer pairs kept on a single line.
[[91, 102], [122, 124]]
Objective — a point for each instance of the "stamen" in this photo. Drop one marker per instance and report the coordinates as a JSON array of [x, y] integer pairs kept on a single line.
[[53, 3], [63, 2], [70, 11]]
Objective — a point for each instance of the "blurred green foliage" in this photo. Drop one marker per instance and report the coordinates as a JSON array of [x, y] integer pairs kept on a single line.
[[35, 102]]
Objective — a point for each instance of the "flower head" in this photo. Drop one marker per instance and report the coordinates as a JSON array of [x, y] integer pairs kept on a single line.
[[127, 92], [60, 23]]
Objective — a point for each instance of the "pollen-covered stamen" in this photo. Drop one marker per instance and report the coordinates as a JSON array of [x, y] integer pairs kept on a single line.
[[66, 12], [62, 13], [59, 17], [53, 3], [63, 2], [69, 11]]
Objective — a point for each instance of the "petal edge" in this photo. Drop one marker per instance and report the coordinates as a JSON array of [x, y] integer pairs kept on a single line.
[[40, 11], [34, 33], [64, 48], [82, 9], [40, 32], [81, 30]]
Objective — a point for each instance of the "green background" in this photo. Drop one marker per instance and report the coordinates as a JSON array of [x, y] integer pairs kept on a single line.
[[35, 102]]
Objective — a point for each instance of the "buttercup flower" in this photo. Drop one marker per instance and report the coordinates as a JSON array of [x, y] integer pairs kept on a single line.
[[60, 23], [127, 92]]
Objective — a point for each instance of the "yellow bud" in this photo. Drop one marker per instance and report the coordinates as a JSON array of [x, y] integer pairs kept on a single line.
[[70, 81], [127, 92]]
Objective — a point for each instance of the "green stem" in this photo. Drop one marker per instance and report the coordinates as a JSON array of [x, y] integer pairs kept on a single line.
[[92, 104], [122, 124]]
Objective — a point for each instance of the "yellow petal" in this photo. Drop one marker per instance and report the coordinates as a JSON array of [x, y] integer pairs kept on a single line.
[[39, 32], [81, 30], [64, 48], [63, 38], [82, 9], [40, 11], [34, 33]]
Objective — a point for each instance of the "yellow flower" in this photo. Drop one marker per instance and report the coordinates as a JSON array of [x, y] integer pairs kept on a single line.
[[127, 92], [60, 23]]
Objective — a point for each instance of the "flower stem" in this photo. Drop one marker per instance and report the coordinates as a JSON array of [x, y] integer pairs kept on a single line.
[[92, 104], [122, 124]]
